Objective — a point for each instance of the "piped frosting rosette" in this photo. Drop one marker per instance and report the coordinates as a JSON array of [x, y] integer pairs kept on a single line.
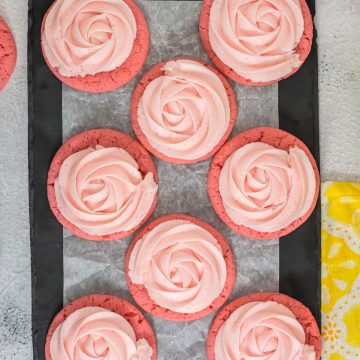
[[183, 110], [100, 327], [262, 330], [86, 37], [267, 326], [102, 185], [263, 183], [102, 191], [97, 333], [257, 41], [266, 188], [181, 267], [95, 46]]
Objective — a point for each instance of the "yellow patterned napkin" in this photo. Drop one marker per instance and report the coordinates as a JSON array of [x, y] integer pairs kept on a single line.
[[340, 278]]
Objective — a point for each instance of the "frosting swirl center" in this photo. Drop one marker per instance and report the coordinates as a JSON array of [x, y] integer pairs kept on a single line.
[[185, 112], [262, 330], [266, 188], [180, 264], [97, 333], [257, 38], [102, 191], [86, 37]]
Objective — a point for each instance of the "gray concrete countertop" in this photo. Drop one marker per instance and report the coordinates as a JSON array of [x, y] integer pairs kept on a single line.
[[338, 24], [15, 276]]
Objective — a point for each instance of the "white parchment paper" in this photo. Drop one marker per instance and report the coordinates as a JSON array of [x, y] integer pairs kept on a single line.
[[91, 267]]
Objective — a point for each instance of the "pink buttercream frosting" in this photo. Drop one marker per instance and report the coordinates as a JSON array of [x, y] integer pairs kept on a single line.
[[265, 188], [185, 112], [97, 333], [264, 331], [102, 191], [257, 38], [181, 266], [86, 37]]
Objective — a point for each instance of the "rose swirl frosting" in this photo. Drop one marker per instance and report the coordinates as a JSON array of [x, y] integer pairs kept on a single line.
[[102, 191], [263, 331], [265, 188], [185, 112], [257, 38], [97, 333], [86, 37], [181, 266]]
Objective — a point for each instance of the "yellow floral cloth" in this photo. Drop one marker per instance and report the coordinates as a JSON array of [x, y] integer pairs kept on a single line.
[[340, 277]]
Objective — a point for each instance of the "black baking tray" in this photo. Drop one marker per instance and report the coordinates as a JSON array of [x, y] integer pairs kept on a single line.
[[298, 114]]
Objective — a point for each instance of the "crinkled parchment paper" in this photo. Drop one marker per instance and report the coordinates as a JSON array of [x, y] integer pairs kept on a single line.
[[93, 267]]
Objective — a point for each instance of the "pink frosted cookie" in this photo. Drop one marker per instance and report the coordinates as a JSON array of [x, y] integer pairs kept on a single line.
[[95, 46], [259, 42], [7, 53], [98, 327], [264, 325], [183, 110], [264, 183], [179, 268], [102, 185]]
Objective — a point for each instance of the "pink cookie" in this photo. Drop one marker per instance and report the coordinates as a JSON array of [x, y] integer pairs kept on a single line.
[[91, 138], [303, 48], [7, 53], [140, 294], [155, 72], [138, 322], [271, 136], [109, 81], [301, 312]]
